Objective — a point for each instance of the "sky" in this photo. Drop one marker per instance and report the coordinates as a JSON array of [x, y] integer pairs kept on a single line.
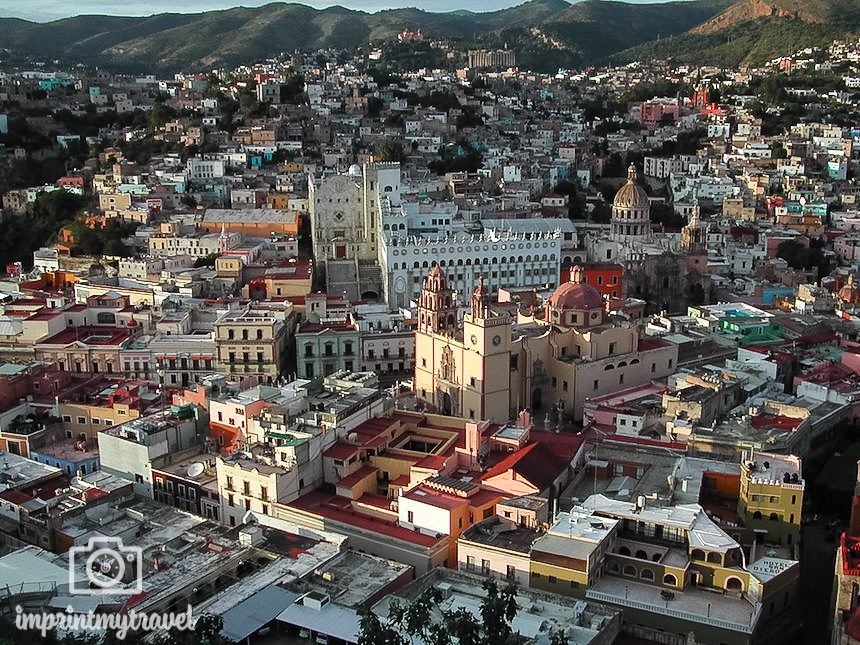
[[45, 10]]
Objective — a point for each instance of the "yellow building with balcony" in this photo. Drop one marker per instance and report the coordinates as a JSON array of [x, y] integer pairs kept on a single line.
[[771, 497]]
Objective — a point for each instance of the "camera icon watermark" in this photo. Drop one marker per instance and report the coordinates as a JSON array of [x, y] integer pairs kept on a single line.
[[110, 568]]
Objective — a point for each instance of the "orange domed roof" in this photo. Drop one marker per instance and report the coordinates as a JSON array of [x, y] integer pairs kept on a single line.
[[631, 194], [575, 294]]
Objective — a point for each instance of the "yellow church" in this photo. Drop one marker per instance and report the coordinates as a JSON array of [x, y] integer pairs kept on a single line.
[[561, 355]]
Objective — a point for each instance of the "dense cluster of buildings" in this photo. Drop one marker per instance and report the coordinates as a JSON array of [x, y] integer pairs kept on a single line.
[[325, 375]]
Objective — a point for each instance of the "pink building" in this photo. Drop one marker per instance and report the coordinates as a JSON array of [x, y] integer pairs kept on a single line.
[[651, 113]]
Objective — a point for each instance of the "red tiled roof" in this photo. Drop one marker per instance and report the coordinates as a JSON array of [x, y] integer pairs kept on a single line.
[[775, 421], [89, 335], [425, 495], [816, 339], [538, 463], [508, 462], [351, 480], [379, 501], [339, 509], [15, 497], [341, 451], [375, 442], [565, 444], [434, 462], [651, 343], [95, 493]]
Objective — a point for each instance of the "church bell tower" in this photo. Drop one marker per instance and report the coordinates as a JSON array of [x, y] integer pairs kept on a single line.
[[437, 312]]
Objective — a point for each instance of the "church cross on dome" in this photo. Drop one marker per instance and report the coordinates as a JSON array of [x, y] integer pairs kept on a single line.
[[631, 174]]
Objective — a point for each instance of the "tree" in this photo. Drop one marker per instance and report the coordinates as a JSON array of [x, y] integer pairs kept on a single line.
[[614, 166], [206, 261], [389, 150], [374, 105], [159, 115], [498, 608], [207, 631], [602, 213]]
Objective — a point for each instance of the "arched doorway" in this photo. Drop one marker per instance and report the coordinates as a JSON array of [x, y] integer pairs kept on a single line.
[[446, 406], [537, 399], [369, 295], [734, 584]]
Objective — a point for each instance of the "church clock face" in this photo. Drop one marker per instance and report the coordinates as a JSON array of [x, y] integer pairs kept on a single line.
[[497, 340], [474, 339]]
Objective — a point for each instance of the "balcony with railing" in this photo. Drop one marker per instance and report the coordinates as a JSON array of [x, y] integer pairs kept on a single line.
[[724, 611]]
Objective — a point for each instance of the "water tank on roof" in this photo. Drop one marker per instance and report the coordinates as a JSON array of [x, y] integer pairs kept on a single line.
[[196, 469]]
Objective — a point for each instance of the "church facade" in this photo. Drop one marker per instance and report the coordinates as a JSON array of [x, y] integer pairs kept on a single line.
[[553, 359], [344, 214]]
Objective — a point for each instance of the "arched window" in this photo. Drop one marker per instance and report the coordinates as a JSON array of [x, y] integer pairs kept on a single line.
[[646, 574], [614, 568], [774, 517], [609, 366], [629, 570], [669, 579], [757, 515], [641, 555], [623, 550], [697, 554], [622, 364], [715, 558]]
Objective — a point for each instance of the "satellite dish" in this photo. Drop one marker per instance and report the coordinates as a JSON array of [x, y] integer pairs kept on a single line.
[[196, 469]]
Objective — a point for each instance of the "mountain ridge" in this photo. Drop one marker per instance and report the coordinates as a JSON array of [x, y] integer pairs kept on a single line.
[[585, 32]]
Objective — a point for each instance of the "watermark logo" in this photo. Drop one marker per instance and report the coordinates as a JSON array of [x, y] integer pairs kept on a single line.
[[110, 568], [119, 623]]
